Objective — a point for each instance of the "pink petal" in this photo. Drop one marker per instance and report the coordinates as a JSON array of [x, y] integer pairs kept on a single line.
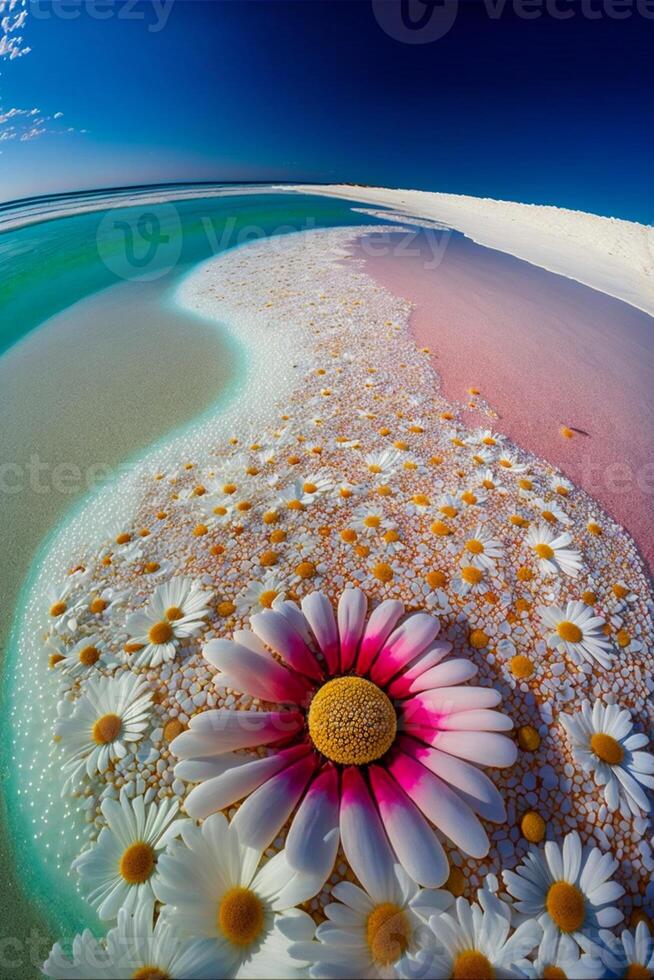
[[427, 708], [484, 748], [471, 783], [440, 804], [415, 843], [352, 609], [252, 674], [219, 731], [292, 612], [445, 675], [478, 720], [364, 842], [313, 837], [409, 640], [400, 686], [379, 627], [277, 633], [263, 813], [221, 791], [319, 614]]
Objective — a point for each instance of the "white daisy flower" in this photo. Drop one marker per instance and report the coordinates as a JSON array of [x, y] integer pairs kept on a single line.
[[89, 960], [472, 497], [260, 594], [87, 656], [370, 520], [344, 492], [215, 889], [302, 545], [511, 463], [110, 715], [316, 484], [602, 741], [449, 505], [116, 872], [473, 940], [553, 551], [560, 485], [216, 510], [134, 948], [558, 956], [483, 457], [489, 480], [550, 511], [486, 437], [577, 632], [375, 933], [568, 887], [384, 463], [176, 610], [631, 955], [391, 542], [482, 550], [294, 497], [468, 579]]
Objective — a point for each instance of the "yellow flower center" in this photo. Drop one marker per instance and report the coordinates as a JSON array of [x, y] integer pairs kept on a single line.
[[468, 497], [474, 546], [471, 575], [565, 904], [448, 510], [267, 598], [441, 528], [544, 551], [89, 656], [57, 608], [348, 535], [382, 571], [160, 633], [554, 973], [607, 748], [310, 488], [521, 666], [241, 916], [569, 632], [351, 721], [173, 613], [107, 729], [636, 971], [388, 933], [548, 516], [372, 521], [472, 965], [137, 863], [488, 441], [532, 826], [150, 973], [306, 569]]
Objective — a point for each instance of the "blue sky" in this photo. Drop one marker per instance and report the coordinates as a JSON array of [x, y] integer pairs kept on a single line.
[[548, 109]]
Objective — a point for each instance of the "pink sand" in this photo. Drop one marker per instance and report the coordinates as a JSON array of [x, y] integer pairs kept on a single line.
[[544, 352]]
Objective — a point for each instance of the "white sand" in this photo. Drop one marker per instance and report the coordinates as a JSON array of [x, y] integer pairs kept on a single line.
[[608, 254]]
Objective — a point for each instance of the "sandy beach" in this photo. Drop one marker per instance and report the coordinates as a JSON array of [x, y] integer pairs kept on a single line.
[[545, 353], [356, 460]]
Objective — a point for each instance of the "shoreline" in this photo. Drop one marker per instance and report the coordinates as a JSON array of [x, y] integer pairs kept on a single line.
[[611, 255], [477, 305]]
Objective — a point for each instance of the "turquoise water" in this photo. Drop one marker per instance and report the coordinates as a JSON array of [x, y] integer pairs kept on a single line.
[[45, 268]]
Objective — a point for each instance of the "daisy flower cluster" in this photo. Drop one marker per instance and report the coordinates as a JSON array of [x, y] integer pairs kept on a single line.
[[359, 692]]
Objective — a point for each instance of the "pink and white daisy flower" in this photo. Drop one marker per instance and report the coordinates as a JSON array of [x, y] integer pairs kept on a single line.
[[373, 739]]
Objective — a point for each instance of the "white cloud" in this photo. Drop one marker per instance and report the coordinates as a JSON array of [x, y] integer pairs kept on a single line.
[[13, 15]]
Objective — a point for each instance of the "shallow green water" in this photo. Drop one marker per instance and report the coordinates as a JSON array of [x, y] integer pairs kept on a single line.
[[60, 315]]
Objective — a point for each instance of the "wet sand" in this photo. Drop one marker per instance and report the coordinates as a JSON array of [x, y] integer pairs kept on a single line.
[[545, 352], [84, 393]]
